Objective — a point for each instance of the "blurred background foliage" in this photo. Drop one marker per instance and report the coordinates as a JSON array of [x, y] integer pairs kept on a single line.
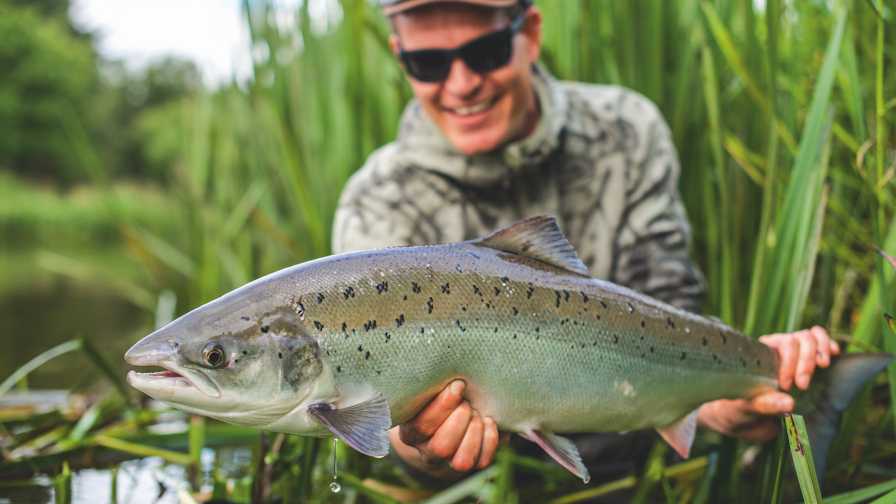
[[129, 198]]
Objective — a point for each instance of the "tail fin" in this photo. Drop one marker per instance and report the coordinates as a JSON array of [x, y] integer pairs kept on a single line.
[[831, 392]]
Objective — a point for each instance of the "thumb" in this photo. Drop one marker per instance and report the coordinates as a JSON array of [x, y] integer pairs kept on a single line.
[[771, 403]]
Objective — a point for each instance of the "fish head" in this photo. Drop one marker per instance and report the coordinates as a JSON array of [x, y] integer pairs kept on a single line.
[[241, 358]]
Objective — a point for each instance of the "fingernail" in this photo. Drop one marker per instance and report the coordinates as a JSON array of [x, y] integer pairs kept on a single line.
[[834, 346], [784, 403], [802, 381], [457, 387]]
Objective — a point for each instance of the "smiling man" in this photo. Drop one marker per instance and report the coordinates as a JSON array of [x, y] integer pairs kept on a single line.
[[492, 138]]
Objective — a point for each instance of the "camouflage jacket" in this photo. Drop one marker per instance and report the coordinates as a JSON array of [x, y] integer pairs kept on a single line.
[[600, 159]]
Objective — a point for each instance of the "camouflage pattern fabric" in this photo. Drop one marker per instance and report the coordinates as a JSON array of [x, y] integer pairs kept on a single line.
[[600, 159]]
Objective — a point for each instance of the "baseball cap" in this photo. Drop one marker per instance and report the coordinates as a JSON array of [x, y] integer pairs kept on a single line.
[[391, 7]]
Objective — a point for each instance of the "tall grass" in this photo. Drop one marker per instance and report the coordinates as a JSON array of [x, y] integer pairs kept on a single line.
[[782, 117]]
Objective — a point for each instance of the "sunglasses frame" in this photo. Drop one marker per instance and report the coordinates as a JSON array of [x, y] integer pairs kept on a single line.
[[516, 24]]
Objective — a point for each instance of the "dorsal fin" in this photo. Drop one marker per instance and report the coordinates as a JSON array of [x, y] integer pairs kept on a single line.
[[539, 238]]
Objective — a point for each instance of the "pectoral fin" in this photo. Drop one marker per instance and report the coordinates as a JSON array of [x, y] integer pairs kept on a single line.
[[561, 449], [363, 426], [680, 435]]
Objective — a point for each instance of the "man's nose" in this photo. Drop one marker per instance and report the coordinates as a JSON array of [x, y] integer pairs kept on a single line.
[[462, 81]]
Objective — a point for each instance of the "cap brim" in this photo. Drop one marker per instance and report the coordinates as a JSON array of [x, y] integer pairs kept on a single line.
[[410, 4]]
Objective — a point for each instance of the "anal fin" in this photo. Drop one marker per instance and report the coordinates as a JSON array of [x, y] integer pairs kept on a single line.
[[680, 435], [561, 449], [363, 426]]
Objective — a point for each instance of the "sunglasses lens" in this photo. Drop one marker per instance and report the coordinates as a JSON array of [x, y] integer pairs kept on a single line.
[[426, 65], [490, 52]]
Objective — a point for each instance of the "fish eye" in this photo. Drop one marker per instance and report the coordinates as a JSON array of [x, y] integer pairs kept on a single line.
[[213, 354]]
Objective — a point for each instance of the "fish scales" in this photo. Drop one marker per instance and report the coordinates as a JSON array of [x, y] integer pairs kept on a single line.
[[464, 311], [352, 344]]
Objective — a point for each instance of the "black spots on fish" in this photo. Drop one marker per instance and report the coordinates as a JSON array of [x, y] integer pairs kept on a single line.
[[488, 305], [474, 255], [504, 280], [421, 330], [279, 355], [382, 287], [566, 296], [477, 291], [415, 288], [459, 270], [715, 358], [400, 320], [537, 328], [743, 362], [615, 339], [245, 352], [388, 337], [704, 341], [584, 297], [446, 289], [683, 355], [724, 339], [529, 292], [344, 327], [349, 292], [651, 349], [360, 348], [320, 298], [464, 308], [564, 321], [643, 355], [367, 355], [265, 329], [515, 311], [244, 318], [405, 297], [497, 291], [378, 371], [462, 328], [558, 298], [429, 305], [514, 336], [583, 345], [603, 304], [496, 329], [758, 362], [318, 325], [643, 324], [671, 324], [598, 316], [631, 307], [297, 306], [338, 369], [370, 325]]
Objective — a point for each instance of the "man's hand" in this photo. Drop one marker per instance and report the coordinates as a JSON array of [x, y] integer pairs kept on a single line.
[[447, 436], [752, 419]]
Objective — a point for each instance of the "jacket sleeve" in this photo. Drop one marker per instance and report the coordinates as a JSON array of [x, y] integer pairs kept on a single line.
[[653, 242]]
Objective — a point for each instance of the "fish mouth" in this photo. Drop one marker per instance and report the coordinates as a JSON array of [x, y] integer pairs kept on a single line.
[[164, 385]]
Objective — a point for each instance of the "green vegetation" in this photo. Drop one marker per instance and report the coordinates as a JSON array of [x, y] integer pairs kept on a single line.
[[784, 122]]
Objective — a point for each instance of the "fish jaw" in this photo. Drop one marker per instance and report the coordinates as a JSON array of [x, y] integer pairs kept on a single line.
[[178, 383]]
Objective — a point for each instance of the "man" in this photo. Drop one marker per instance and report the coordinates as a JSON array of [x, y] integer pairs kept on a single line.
[[491, 138]]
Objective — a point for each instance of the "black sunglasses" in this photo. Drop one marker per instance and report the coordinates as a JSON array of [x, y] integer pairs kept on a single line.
[[484, 54]]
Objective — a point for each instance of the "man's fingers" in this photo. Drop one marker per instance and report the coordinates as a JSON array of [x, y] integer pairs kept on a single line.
[[427, 422], [468, 452], [807, 354], [490, 438], [788, 349], [445, 442], [825, 346]]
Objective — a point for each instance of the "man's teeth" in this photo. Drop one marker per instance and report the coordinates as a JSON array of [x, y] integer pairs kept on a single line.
[[473, 109]]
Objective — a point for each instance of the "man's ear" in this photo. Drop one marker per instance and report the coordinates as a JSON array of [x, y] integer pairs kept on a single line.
[[393, 43], [532, 31]]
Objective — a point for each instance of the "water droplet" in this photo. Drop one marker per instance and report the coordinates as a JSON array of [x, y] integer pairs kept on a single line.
[[335, 487]]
